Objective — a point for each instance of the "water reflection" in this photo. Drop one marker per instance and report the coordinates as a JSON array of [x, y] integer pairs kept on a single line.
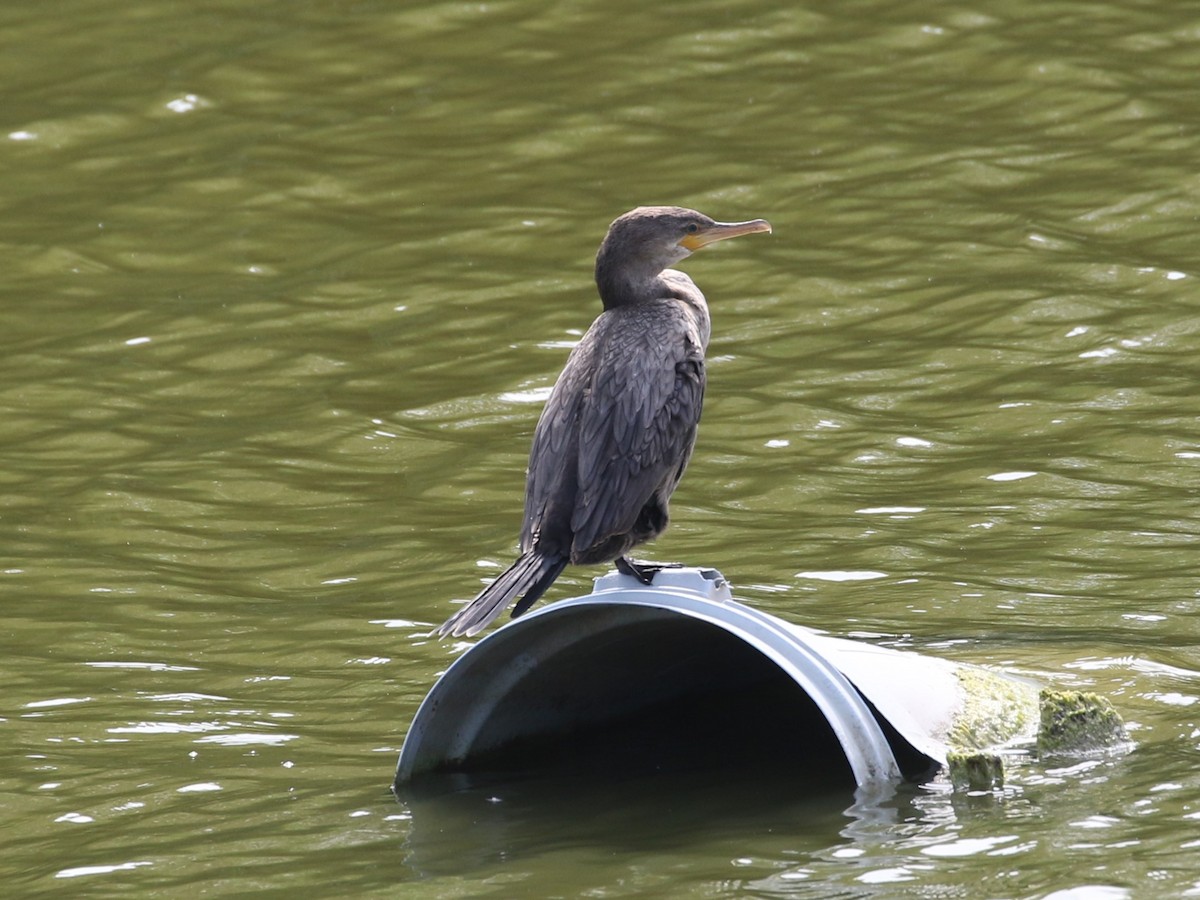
[[479, 827]]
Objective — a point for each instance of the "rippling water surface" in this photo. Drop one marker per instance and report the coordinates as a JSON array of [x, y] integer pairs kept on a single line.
[[285, 285]]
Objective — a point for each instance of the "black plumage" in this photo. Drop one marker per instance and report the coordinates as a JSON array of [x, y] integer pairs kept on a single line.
[[618, 429]]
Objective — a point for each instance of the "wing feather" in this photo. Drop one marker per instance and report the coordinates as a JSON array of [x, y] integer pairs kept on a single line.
[[618, 427], [551, 480], [640, 420]]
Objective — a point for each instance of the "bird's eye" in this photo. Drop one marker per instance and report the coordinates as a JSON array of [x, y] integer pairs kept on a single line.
[[692, 228]]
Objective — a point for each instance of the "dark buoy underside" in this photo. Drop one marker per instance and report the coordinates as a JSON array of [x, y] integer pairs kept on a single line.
[[651, 696]]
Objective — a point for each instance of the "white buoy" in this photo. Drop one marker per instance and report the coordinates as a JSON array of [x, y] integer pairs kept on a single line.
[[630, 653]]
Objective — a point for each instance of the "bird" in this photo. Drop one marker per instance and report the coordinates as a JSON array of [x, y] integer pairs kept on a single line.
[[618, 428]]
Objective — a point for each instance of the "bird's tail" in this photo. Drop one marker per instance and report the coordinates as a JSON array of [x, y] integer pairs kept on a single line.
[[529, 576]]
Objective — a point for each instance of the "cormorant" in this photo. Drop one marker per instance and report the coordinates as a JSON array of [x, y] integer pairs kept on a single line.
[[618, 430]]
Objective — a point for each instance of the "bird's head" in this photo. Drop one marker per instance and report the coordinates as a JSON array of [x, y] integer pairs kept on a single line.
[[646, 240]]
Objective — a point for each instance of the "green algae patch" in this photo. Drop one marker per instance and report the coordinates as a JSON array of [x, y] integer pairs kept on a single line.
[[975, 771], [1075, 722], [996, 710]]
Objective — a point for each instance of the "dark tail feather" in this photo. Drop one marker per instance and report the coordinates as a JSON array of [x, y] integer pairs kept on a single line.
[[530, 575], [549, 574]]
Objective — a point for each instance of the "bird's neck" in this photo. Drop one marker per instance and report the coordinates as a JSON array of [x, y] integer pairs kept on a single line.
[[680, 287], [624, 287], [626, 278], [667, 285]]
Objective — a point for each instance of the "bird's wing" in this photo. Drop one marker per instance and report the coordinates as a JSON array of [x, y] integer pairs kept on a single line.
[[550, 485], [637, 426]]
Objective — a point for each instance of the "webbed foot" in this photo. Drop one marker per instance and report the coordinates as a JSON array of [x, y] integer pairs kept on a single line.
[[643, 571]]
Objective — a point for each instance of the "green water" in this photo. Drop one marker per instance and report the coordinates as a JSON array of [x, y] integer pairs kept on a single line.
[[284, 285]]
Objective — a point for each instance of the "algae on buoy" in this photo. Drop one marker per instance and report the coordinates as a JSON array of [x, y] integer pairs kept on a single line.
[[975, 770], [1076, 722], [997, 710]]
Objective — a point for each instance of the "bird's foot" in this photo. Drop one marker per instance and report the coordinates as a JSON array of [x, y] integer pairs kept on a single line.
[[643, 571]]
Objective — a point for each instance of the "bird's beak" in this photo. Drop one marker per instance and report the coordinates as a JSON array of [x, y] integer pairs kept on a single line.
[[719, 231]]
